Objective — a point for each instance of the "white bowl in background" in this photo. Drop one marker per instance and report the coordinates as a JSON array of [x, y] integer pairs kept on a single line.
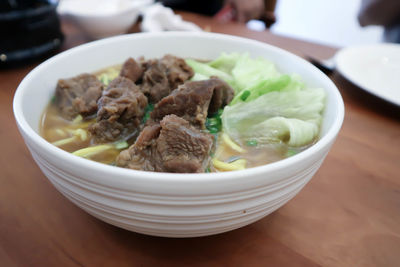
[[103, 18], [166, 204]]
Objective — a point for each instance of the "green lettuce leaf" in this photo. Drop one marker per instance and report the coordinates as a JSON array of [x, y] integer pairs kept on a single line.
[[263, 86], [268, 106], [203, 70], [290, 116], [225, 62], [258, 76], [247, 71]]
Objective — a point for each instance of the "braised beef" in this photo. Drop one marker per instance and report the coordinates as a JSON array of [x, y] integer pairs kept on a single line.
[[143, 154], [121, 82], [177, 70], [222, 95], [194, 100], [78, 95], [131, 70], [172, 145], [155, 83], [163, 75], [121, 108]]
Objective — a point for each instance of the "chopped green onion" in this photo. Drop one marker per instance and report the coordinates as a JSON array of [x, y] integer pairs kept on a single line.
[[147, 112], [251, 143], [214, 123], [213, 129], [216, 114], [291, 152], [244, 95]]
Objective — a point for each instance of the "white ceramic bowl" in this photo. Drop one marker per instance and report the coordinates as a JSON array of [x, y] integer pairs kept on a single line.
[[104, 19], [165, 204]]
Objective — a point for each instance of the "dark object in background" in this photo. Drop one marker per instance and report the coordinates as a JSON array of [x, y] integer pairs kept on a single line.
[[29, 29], [205, 7], [220, 8], [384, 13]]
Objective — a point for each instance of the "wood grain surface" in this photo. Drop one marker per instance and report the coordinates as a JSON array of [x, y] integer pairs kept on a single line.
[[348, 215]]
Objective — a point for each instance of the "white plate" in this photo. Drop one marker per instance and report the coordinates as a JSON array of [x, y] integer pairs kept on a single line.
[[374, 68]]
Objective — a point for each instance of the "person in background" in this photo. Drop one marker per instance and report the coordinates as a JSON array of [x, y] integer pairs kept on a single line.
[[244, 10], [382, 12]]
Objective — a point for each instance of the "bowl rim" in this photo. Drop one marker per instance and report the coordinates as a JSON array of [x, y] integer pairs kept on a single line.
[[109, 173]]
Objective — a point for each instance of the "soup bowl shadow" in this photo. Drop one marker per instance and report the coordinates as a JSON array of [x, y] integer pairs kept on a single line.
[[166, 204]]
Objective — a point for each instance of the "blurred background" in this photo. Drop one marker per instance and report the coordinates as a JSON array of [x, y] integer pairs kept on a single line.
[[327, 22], [31, 28], [336, 23]]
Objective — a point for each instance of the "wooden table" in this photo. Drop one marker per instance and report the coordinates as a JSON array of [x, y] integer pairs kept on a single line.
[[348, 215]]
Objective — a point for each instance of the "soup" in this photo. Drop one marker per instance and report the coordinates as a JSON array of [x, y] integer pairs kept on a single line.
[[184, 115]]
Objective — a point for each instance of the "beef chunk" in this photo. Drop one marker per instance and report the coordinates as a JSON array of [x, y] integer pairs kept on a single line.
[[143, 154], [177, 70], [121, 82], [172, 145], [155, 83], [121, 109], [131, 70], [182, 147], [222, 95], [194, 100], [78, 95], [164, 75]]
